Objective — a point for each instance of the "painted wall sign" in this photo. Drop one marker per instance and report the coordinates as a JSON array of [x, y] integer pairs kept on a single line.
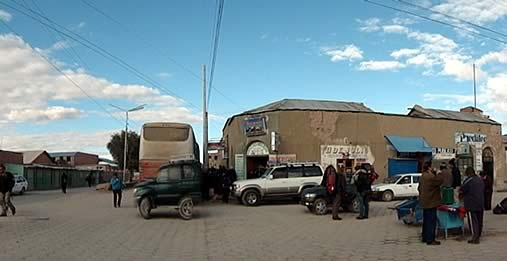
[[443, 153], [469, 137], [330, 153], [475, 141], [281, 159], [239, 166], [255, 126], [257, 149]]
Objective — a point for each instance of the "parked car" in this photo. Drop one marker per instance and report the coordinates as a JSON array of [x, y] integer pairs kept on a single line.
[[20, 185], [400, 186], [177, 184], [278, 182], [318, 201]]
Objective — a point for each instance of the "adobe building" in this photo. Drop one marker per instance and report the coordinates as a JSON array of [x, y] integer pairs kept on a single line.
[[348, 133]]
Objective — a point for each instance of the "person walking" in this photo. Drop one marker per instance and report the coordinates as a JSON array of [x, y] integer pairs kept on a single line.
[[63, 182], [6, 185], [116, 187], [429, 200], [473, 196], [488, 190], [339, 192], [89, 180], [363, 185]]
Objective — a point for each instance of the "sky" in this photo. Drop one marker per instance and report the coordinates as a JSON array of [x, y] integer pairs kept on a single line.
[[57, 90]]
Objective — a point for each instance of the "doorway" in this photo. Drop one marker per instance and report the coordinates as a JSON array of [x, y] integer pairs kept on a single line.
[[255, 166], [488, 165]]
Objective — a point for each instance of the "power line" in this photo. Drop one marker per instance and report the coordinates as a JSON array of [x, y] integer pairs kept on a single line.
[[65, 75], [436, 21], [189, 71], [450, 17], [215, 46]]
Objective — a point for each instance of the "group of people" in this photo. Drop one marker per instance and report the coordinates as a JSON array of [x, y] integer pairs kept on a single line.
[[6, 184], [335, 182], [219, 181], [475, 192]]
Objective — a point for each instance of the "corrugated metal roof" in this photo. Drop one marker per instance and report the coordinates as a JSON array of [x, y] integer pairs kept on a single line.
[[317, 105], [448, 114], [62, 154], [409, 144]]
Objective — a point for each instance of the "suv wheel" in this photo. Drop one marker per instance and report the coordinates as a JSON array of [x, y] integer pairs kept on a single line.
[[387, 195], [354, 205], [251, 197], [186, 208], [145, 208], [320, 206]]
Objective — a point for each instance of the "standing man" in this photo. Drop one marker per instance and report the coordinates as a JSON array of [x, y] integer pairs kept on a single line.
[[89, 180], [63, 182], [338, 193], [429, 199], [473, 194], [6, 185], [456, 177], [116, 187], [488, 190], [363, 184]]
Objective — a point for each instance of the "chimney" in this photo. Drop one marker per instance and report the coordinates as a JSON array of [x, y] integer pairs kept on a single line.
[[473, 110]]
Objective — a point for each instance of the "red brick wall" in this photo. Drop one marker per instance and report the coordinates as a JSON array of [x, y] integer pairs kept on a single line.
[[11, 157], [85, 159], [43, 159]]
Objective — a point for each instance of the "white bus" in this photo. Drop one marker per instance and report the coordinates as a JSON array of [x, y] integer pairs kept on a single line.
[[163, 141]]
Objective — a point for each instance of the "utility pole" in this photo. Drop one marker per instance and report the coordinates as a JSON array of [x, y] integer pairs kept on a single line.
[[475, 90], [204, 121]]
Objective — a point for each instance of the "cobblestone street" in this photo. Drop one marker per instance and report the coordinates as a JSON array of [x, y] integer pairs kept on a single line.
[[82, 225]]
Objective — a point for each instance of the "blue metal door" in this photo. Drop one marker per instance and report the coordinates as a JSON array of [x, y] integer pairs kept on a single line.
[[402, 166]]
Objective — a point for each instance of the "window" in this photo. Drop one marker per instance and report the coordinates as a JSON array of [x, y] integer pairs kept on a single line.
[[166, 134], [188, 172], [68, 158], [416, 179], [216, 157], [169, 174], [405, 180], [280, 173], [312, 171], [295, 172]]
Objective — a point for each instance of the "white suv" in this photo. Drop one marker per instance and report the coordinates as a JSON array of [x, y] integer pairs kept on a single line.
[[400, 186], [285, 181]]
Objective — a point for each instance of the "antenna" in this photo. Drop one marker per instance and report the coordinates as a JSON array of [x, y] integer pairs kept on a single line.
[[475, 90]]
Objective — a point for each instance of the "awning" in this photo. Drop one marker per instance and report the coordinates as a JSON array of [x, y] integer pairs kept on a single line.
[[409, 144]]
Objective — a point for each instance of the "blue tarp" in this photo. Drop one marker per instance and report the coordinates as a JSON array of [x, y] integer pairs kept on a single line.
[[409, 144]]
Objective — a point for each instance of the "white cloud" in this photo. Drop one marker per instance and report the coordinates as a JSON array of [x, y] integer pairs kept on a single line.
[[30, 84], [402, 21], [404, 53], [369, 25], [481, 12], [500, 57], [380, 65], [5, 16], [349, 52], [164, 75], [395, 28]]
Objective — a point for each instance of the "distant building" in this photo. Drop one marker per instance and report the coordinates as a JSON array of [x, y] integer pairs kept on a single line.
[[216, 154], [11, 157], [40, 157], [74, 159]]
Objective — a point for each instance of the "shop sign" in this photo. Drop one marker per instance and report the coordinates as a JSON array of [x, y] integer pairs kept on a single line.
[[460, 137], [330, 153], [443, 153], [255, 126], [464, 149], [281, 159], [275, 141], [257, 149], [239, 166]]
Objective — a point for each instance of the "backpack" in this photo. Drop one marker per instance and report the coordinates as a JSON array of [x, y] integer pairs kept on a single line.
[[331, 183]]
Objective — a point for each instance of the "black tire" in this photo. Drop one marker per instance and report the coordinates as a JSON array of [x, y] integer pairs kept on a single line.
[[22, 191], [145, 208], [387, 196], [186, 208], [354, 205], [320, 206], [251, 198]]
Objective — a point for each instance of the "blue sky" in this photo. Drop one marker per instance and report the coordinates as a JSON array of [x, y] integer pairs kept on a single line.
[[269, 50]]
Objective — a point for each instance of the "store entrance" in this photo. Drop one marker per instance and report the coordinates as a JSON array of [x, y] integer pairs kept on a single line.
[[255, 166], [488, 163]]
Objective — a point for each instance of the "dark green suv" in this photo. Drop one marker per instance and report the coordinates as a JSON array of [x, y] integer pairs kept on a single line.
[[177, 184]]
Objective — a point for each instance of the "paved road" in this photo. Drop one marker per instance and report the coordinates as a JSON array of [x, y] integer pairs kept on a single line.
[[82, 225]]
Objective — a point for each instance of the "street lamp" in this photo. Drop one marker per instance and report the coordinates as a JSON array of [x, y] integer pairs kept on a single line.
[[138, 108]]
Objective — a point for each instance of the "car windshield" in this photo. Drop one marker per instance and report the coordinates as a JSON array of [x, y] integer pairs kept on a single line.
[[391, 180], [266, 173]]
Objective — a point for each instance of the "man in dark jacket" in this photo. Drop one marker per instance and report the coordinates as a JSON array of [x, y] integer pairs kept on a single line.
[[6, 185], [473, 194], [456, 175], [363, 184], [338, 193], [429, 199], [63, 182]]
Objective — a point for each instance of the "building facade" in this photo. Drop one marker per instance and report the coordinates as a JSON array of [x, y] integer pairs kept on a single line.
[[73, 159], [40, 157], [216, 154], [347, 134]]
